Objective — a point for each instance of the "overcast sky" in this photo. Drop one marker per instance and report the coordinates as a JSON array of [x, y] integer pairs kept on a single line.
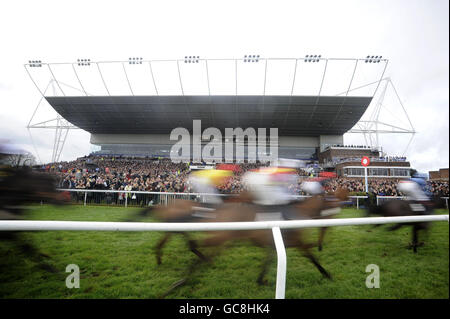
[[413, 35]]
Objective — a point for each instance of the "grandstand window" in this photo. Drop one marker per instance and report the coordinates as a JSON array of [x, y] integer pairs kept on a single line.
[[399, 171], [353, 171], [378, 172]]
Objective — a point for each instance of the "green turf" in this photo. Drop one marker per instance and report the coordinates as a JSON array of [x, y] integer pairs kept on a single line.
[[122, 265]]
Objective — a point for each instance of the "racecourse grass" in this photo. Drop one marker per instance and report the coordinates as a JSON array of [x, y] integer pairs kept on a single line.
[[122, 264]]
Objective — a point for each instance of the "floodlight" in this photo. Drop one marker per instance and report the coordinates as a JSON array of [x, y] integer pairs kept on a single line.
[[312, 58], [191, 59], [84, 62], [135, 60], [373, 59], [251, 58], [34, 63]]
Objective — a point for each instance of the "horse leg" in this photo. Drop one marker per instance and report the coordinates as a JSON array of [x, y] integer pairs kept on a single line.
[[373, 226], [140, 215], [175, 285], [212, 241], [183, 281], [162, 242], [217, 240], [424, 229], [32, 253], [395, 227], [415, 238], [193, 245], [265, 266], [321, 236], [307, 253]]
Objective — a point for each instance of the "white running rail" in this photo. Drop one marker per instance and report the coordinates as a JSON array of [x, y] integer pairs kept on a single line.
[[166, 196], [275, 226]]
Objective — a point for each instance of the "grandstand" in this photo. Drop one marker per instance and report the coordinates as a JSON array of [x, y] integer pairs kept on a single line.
[[320, 100], [142, 125], [310, 120]]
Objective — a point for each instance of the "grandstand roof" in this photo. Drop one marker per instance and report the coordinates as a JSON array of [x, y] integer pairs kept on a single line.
[[293, 115]]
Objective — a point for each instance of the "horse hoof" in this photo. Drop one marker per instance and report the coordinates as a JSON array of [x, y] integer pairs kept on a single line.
[[320, 248], [208, 260], [262, 282], [411, 245], [173, 287]]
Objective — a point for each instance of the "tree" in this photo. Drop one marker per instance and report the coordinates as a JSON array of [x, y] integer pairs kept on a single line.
[[23, 159]]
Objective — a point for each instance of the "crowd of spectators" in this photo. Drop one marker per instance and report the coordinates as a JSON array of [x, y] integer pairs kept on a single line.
[[439, 188], [382, 187], [146, 174], [142, 174]]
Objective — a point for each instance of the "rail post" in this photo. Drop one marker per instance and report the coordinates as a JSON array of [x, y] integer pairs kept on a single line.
[[85, 197], [126, 199], [357, 202], [281, 263]]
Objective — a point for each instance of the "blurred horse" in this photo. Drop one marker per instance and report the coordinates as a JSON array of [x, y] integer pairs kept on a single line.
[[318, 207], [239, 209], [183, 211], [20, 187], [245, 212], [395, 208]]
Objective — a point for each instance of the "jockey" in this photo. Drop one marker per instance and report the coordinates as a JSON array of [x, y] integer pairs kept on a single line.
[[270, 185], [313, 187], [414, 188], [206, 181]]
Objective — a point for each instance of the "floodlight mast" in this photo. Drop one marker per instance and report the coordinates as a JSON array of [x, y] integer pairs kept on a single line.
[[59, 124], [373, 127], [62, 126]]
